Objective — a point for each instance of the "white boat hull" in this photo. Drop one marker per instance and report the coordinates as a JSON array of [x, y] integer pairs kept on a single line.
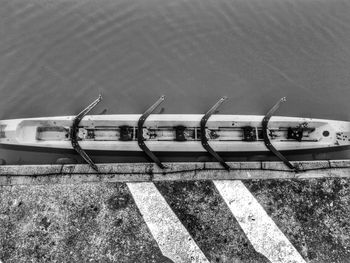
[[53, 132]]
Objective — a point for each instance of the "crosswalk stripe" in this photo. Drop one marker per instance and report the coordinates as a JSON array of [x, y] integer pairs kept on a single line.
[[172, 237], [259, 228]]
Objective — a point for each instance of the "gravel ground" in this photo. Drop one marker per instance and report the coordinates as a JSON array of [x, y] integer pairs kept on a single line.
[[101, 223]]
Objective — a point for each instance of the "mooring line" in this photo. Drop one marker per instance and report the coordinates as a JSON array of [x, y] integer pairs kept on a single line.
[[172, 237], [259, 228]]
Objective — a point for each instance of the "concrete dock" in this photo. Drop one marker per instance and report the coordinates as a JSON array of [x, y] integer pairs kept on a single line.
[[190, 212], [150, 172]]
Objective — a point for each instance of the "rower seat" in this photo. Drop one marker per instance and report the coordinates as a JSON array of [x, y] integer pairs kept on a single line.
[[180, 133], [126, 133]]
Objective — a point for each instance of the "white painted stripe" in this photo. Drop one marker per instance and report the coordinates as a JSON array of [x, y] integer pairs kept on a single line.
[[172, 237], [259, 228]]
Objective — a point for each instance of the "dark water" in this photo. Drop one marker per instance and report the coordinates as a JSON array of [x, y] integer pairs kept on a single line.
[[56, 56]]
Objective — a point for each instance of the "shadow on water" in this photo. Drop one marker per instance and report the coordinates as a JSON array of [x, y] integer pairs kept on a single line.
[[33, 155]]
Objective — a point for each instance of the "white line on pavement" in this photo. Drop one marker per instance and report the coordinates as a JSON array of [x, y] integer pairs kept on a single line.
[[172, 237], [259, 228]]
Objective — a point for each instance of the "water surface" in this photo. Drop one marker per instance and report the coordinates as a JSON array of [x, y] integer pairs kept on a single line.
[[58, 55]]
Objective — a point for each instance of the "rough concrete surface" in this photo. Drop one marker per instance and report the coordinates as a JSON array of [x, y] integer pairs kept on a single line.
[[73, 223], [207, 218], [314, 215], [174, 171], [99, 222]]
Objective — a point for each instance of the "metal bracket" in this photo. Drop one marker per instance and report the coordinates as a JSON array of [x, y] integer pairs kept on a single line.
[[74, 131], [267, 141], [204, 139], [141, 139]]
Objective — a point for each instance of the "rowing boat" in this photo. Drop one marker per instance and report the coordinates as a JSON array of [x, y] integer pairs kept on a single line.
[[176, 132]]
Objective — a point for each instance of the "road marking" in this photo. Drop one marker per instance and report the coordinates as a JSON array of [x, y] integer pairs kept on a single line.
[[259, 228], [172, 237]]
